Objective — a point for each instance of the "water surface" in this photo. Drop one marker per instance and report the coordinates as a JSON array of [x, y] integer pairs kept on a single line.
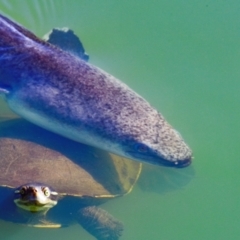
[[183, 57]]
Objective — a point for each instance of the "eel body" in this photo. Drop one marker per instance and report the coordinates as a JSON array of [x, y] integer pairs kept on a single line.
[[64, 94]]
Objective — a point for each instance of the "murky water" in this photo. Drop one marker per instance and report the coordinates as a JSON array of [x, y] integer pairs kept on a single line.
[[183, 57]]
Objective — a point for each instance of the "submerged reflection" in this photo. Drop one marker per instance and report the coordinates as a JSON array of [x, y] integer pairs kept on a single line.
[[162, 179]]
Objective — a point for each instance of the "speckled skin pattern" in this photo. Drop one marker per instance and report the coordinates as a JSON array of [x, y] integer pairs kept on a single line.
[[67, 95]]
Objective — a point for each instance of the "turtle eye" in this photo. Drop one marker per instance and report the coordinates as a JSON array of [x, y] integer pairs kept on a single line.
[[46, 192], [23, 190]]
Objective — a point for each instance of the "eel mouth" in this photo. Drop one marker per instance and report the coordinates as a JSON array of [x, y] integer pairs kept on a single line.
[[176, 164], [183, 163], [161, 161]]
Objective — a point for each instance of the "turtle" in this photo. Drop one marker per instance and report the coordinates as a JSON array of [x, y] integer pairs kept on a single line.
[[50, 181]]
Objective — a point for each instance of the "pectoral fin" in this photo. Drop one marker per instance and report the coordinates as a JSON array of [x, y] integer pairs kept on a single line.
[[68, 41]]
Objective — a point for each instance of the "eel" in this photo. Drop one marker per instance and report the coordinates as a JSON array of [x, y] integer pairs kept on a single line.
[[62, 93]]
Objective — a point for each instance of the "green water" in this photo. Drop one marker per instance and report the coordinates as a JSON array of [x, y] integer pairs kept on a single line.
[[183, 57]]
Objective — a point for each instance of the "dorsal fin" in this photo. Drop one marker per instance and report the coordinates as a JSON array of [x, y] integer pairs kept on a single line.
[[67, 40]]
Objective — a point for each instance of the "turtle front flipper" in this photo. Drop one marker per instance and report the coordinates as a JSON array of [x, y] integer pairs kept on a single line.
[[100, 223]]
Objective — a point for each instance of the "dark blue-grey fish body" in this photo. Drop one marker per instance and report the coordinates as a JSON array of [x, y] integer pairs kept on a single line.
[[69, 96]]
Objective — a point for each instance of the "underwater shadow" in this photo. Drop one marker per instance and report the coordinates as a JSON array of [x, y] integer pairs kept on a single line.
[[93, 167]]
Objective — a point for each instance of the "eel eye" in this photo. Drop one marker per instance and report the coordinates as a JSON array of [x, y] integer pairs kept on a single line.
[[141, 148], [46, 192]]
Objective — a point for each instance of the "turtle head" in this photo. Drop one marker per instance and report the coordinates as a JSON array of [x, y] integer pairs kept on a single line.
[[35, 197]]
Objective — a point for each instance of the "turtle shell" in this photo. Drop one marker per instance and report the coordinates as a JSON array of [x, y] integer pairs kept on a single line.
[[32, 154]]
